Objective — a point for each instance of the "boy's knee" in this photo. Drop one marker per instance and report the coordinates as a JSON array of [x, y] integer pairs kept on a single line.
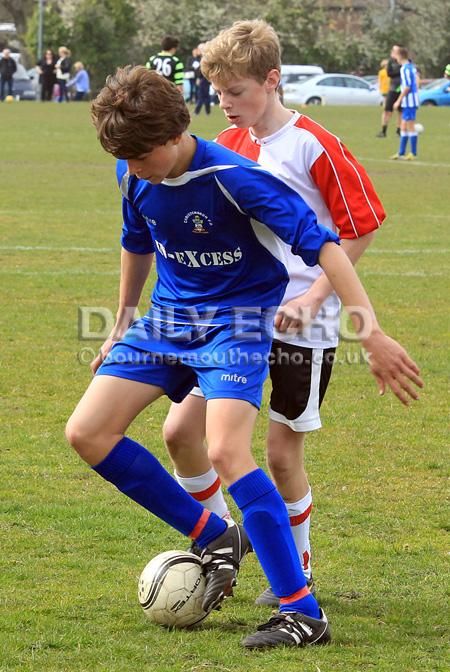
[[223, 458], [89, 446], [174, 437], [76, 435], [282, 456]]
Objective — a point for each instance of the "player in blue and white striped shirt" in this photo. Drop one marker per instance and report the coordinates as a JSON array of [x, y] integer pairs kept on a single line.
[[408, 101]]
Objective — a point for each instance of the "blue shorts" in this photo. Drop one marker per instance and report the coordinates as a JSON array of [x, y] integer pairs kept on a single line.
[[409, 113], [177, 357]]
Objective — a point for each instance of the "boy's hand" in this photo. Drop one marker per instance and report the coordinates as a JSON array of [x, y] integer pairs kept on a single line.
[[391, 365], [103, 353], [396, 105], [296, 314]]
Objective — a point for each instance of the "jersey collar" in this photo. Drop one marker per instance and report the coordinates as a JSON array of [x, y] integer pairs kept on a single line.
[[278, 134]]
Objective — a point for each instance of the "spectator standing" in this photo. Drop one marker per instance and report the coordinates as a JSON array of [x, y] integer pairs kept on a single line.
[[203, 88], [7, 69], [384, 81], [47, 74], [167, 64], [63, 66], [393, 71], [447, 71], [192, 73], [80, 81]]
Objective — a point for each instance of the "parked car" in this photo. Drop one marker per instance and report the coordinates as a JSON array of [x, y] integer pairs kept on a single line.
[[435, 93], [371, 79], [34, 76], [333, 89], [291, 74]]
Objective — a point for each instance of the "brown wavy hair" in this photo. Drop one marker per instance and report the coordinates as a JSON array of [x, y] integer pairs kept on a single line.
[[136, 111]]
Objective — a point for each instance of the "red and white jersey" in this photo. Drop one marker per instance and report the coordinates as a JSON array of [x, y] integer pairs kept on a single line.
[[320, 168]]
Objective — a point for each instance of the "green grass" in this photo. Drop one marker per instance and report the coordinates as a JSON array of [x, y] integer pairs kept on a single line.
[[72, 547]]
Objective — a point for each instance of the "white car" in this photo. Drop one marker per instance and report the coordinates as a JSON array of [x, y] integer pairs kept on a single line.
[[293, 74], [332, 89]]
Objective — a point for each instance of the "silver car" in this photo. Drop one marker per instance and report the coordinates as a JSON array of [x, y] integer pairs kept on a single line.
[[332, 89]]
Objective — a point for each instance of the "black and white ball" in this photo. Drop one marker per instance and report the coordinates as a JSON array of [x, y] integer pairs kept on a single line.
[[171, 589]]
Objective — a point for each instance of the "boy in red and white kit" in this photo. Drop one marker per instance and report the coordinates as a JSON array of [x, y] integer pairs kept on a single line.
[[243, 64]]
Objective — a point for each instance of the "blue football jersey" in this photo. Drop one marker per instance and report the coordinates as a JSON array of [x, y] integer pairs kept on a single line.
[[216, 232], [408, 78]]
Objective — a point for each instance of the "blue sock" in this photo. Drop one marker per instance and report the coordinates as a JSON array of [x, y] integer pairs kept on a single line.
[[413, 141], [266, 522], [403, 143], [138, 474]]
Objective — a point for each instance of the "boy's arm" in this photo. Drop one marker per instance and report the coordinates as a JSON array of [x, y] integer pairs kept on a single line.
[[404, 93], [276, 206], [136, 261], [297, 313], [134, 271], [389, 362]]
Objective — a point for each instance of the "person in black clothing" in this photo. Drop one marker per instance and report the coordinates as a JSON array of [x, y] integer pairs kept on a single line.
[[203, 87], [7, 69], [47, 74], [167, 64], [191, 73], [393, 71]]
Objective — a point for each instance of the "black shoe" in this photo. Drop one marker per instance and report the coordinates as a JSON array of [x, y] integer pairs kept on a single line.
[[380, 135], [195, 549], [290, 629], [398, 131], [269, 599], [221, 561]]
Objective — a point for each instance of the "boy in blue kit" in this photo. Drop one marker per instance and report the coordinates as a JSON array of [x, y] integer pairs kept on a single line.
[[214, 221], [408, 102]]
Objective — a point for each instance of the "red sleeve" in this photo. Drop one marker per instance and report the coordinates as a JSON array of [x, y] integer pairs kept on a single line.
[[347, 190], [238, 139]]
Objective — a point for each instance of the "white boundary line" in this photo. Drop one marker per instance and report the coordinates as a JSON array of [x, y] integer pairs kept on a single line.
[[68, 272], [50, 248], [409, 163], [93, 250]]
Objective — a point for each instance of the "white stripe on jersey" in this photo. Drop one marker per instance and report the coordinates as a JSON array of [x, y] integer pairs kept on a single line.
[[277, 247], [408, 78], [227, 195], [192, 174], [361, 183]]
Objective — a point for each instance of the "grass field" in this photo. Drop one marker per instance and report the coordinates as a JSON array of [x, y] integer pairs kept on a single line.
[[72, 547]]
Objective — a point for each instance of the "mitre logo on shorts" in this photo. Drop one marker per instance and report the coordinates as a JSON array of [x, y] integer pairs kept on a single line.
[[233, 378], [196, 259], [199, 221]]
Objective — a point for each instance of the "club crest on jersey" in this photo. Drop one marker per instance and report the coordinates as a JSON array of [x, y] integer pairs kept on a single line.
[[199, 221]]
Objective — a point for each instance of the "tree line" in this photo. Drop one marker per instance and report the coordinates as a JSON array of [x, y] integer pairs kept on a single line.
[[107, 33]]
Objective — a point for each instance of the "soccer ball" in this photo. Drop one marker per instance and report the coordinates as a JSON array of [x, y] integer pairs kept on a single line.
[[9, 99], [171, 589], [419, 128]]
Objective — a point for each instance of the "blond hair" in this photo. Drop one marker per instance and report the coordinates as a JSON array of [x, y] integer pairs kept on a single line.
[[246, 49]]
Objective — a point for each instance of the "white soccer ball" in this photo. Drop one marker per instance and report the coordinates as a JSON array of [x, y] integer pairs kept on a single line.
[[171, 589], [419, 128]]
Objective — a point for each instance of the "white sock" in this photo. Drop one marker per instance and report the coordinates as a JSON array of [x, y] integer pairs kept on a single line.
[[207, 490], [299, 516]]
